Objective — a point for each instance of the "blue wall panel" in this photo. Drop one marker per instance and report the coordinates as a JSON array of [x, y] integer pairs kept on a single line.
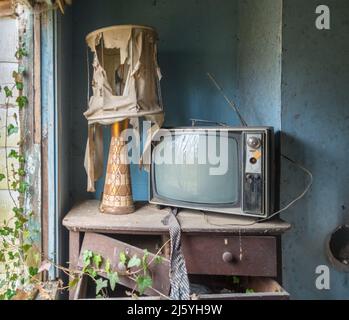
[[259, 62], [315, 113]]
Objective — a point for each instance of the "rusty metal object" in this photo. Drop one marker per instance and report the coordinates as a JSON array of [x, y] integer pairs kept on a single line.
[[117, 196]]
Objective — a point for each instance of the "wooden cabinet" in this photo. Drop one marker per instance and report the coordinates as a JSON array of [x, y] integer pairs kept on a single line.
[[217, 245]]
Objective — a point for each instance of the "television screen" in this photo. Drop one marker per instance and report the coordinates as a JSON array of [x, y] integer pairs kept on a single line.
[[199, 167]]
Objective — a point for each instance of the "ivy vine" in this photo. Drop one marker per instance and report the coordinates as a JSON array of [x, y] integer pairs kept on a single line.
[[133, 267], [15, 239]]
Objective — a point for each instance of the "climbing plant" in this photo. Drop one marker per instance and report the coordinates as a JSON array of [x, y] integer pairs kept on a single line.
[[19, 260], [15, 239], [99, 269]]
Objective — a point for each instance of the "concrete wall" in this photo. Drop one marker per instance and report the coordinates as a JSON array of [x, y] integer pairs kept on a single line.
[[315, 113]]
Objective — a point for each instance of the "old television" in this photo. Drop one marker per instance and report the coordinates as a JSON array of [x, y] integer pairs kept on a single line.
[[214, 169]]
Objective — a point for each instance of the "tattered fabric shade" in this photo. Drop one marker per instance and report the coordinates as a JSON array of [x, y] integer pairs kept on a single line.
[[125, 84]]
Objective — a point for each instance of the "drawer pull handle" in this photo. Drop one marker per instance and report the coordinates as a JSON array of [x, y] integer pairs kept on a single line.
[[228, 257]]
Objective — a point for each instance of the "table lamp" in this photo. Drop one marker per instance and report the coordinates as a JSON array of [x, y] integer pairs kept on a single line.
[[125, 87]]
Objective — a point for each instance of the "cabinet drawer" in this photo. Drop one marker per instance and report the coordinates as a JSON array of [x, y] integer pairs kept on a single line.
[[220, 255]]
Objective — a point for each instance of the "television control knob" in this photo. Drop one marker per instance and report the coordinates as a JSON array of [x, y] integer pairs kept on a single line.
[[227, 257], [254, 142]]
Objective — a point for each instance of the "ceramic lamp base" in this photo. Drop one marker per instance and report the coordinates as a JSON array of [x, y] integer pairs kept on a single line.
[[117, 196]]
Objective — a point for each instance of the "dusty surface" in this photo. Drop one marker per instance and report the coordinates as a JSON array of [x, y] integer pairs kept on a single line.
[[147, 218]]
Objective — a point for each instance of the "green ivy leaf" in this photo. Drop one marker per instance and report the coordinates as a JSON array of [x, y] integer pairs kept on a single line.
[[236, 280], [107, 266], [10, 294], [123, 257], [11, 255], [143, 283], [2, 177], [23, 187], [73, 282], [11, 129], [22, 101], [21, 172], [144, 259], [13, 154], [33, 271], [8, 92], [113, 279], [26, 247], [158, 260], [21, 159], [26, 234], [134, 262], [21, 52], [249, 291], [14, 277], [87, 255], [97, 260], [18, 211], [14, 184], [19, 86], [101, 284]]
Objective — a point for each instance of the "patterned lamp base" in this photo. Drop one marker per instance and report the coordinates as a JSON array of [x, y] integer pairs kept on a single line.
[[117, 196]]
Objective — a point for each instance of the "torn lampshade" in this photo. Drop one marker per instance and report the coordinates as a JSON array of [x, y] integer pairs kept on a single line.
[[125, 85]]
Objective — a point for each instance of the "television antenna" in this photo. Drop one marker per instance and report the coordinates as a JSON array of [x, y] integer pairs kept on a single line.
[[229, 101]]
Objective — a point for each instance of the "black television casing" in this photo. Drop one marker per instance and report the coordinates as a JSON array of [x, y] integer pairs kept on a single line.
[[256, 172]]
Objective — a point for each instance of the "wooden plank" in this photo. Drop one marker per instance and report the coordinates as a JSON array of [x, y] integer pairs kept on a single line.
[[81, 289], [48, 150], [74, 252], [148, 220], [37, 79], [110, 248], [249, 255]]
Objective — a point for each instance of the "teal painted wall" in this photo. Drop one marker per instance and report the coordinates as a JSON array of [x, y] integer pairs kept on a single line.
[[259, 61], [315, 115]]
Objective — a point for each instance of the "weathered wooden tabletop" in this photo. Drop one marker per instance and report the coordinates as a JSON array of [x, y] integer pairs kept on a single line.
[[147, 219]]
